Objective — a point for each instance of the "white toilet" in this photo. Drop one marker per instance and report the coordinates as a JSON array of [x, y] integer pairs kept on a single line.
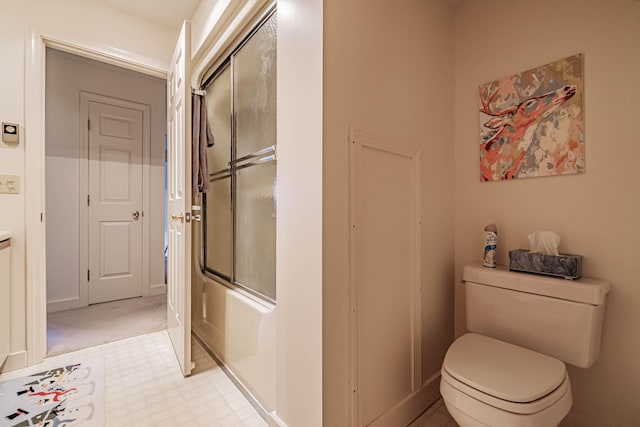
[[508, 371]]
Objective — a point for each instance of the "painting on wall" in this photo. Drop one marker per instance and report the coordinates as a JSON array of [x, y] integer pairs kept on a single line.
[[531, 123]]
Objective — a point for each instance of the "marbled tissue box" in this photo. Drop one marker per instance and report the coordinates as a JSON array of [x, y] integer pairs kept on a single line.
[[563, 265]]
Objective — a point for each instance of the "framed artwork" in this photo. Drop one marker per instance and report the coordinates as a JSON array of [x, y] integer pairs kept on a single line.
[[531, 123]]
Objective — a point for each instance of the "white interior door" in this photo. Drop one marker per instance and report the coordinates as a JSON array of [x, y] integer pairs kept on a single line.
[[115, 202], [179, 201]]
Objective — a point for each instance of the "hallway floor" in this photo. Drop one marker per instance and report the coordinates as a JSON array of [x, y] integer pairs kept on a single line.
[[144, 385], [97, 324]]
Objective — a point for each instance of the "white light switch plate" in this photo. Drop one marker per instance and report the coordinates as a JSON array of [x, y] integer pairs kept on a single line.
[[9, 184]]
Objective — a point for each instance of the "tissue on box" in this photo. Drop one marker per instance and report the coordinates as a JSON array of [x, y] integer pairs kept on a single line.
[[563, 265]]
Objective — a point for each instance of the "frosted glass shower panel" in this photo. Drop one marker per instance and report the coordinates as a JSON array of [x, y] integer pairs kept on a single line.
[[255, 91], [219, 115], [239, 221], [255, 227], [218, 227]]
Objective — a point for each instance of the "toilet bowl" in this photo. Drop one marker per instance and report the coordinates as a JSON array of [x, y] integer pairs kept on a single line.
[[488, 382], [509, 370]]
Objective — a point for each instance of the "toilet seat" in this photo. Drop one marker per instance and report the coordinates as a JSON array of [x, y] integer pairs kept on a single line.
[[503, 375]]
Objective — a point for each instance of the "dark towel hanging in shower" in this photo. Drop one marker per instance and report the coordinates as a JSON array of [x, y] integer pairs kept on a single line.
[[201, 139]]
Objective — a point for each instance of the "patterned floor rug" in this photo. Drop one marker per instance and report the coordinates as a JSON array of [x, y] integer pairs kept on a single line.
[[71, 395]]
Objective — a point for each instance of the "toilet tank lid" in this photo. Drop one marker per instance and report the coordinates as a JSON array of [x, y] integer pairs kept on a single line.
[[586, 290]]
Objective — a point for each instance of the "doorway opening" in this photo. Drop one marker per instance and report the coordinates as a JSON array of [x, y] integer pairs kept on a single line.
[[105, 169]]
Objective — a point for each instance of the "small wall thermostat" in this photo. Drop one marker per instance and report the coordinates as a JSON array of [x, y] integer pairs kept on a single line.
[[10, 133]]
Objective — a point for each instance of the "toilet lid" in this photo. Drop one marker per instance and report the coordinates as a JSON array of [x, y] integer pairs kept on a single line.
[[503, 370]]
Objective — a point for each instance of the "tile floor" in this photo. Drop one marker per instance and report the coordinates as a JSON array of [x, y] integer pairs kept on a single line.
[[436, 416], [144, 386]]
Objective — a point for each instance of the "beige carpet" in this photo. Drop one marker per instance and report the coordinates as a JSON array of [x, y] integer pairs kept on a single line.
[[102, 323]]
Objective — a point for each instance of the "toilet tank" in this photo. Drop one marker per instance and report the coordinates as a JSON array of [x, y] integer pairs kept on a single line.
[[558, 317]]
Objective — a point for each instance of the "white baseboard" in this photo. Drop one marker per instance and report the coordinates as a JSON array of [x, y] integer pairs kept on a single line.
[[71, 303], [412, 407], [15, 361], [64, 304], [275, 421], [158, 289]]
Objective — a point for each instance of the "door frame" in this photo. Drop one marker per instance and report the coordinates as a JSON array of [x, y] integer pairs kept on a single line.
[[36, 43], [85, 99]]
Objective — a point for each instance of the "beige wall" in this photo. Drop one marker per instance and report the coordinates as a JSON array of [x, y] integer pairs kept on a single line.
[[596, 213], [67, 75], [388, 70], [299, 356], [80, 22], [12, 162]]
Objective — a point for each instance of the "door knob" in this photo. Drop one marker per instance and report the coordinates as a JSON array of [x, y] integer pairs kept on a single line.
[[135, 215], [175, 217]]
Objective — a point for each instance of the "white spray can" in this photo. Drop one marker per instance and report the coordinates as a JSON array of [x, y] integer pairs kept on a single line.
[[490, 243]]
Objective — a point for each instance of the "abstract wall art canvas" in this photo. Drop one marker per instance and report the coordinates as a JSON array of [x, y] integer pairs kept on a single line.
[[531, 123]]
